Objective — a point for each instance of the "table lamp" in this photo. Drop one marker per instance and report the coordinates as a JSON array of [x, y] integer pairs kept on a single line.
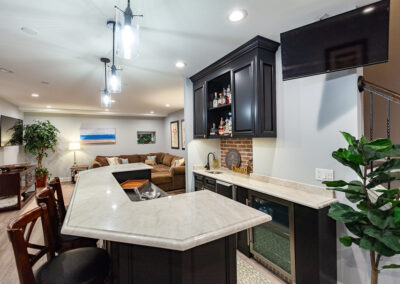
[[74, 146]]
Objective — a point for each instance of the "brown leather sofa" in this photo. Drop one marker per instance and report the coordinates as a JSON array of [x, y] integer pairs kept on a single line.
[[160, 174]]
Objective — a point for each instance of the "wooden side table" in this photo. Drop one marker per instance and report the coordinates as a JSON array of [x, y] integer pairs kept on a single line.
[[76, 169]]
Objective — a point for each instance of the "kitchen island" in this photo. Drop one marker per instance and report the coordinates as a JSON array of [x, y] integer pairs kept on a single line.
[[187, 238]]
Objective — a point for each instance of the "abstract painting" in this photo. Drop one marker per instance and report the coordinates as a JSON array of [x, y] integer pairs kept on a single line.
[[97, 135]]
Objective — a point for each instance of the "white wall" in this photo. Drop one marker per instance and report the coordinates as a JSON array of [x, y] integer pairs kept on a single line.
[[11, 154], [196, 150], [177, 115], [126, 139]]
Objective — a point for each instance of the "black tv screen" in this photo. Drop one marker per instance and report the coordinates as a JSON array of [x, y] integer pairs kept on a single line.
[[11, 131], [356, 38]]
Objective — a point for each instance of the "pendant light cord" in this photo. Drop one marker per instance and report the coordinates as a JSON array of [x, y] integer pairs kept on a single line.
[[113, 44], [105, 76]]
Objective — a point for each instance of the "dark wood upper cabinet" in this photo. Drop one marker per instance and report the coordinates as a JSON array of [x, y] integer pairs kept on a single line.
[[250, 72], [200, 119]]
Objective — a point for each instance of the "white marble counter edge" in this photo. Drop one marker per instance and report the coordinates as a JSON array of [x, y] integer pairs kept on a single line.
[[225, 177], [165, 243]]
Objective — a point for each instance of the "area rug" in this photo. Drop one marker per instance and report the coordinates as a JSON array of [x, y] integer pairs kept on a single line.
[[247, 274]]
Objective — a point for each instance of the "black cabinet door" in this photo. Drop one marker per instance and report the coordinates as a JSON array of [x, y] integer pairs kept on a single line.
[[266, 124], [243, 100], [199, 111], [224, 189], [210, 184], [243, 244]]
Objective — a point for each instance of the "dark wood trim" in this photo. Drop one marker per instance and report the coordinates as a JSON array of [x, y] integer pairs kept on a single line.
[[254, 43]]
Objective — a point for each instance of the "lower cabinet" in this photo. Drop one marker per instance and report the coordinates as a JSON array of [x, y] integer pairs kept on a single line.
[[243, 238]]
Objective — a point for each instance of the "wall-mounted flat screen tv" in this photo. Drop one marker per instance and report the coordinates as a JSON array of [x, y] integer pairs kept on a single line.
[[353, 39], [11, 131]]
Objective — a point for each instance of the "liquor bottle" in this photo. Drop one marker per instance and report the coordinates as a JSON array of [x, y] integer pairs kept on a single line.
[[215, 101], [220, 99], [229, 94], [226, 128], [230, 122], [221, 127], [214, 130]]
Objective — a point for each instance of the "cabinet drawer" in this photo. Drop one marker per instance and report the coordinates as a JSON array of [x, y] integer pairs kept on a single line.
[[198, 178], [209, 182]]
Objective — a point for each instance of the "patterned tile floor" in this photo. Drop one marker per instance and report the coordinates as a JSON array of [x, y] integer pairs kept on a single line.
[[251, 272]]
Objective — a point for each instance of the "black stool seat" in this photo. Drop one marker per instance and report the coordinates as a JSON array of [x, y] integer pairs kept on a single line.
[[82, 265]]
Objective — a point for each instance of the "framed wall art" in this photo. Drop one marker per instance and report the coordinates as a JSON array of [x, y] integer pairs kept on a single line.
[[174, 132], [183, 134]]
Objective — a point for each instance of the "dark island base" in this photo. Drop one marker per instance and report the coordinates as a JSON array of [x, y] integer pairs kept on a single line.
[[214, 262]]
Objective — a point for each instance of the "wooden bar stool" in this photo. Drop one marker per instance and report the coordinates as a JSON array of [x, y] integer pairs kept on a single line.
[[55, 186], [62, 242], [83, 265]]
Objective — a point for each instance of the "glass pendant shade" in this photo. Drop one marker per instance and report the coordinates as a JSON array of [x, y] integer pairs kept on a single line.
[[127, 36], [105, 99], [114, 80]]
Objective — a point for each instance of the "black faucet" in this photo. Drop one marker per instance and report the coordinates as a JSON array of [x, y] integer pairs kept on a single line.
[[208, 160]]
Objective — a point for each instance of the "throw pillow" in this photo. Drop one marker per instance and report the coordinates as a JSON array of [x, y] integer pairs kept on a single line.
[[150, 162], [124, 161], [152, 158], [180, 162], [167, 159], [113, 161]]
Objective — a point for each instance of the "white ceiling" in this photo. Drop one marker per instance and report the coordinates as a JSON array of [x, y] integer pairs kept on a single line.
[[72, 35]]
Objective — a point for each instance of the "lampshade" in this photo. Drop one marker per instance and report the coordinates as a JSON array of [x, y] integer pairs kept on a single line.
[[74, 146], [105, 99], [127, 34], [114, 80]]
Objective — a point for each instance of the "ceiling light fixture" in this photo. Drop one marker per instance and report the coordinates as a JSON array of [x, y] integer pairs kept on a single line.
[[35, 95], [115, 76], [129, 33], [167, 105], [237, 15], [105, 95], [48, 106], [368, 10], [113, 101], [151, 112], [180, 64]]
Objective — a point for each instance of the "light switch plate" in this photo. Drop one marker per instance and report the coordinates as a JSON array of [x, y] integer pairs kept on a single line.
[[323, 174]]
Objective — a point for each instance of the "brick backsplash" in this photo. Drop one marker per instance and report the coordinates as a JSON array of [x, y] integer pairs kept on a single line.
[[243, 145]]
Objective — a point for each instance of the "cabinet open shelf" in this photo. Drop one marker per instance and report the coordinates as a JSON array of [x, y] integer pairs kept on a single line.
[[220, 107]]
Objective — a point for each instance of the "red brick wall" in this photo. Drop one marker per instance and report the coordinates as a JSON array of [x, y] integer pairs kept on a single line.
[[243, 145]]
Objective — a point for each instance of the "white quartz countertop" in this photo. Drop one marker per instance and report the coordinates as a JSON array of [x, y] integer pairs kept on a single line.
[[307, 195], [100, 209]]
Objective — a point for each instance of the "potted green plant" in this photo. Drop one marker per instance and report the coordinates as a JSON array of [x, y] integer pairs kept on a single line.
[[39, 137], [375, 219]]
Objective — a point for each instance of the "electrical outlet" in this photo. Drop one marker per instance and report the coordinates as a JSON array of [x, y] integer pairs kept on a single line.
[[323, 174]]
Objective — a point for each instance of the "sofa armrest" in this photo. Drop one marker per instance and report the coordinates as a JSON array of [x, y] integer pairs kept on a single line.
[[96, 164], [178, 170]]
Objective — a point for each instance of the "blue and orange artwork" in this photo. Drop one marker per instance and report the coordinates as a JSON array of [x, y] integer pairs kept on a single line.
[[97, 135]]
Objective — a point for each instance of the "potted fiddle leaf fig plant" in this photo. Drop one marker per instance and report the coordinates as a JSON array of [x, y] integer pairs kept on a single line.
[[374, 221], [39, 137]]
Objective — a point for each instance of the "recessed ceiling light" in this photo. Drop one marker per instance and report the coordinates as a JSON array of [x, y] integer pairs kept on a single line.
[[107, 109], [151, 112], [113, 101], [167, 105], [237, 15], [45, 83], [29, 31], [48, 106], [368, 10], [4, 70], [180, 64], [35, 95]]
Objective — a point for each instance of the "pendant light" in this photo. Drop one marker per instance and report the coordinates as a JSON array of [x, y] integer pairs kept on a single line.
[[129, 45], [105, 95], [114, 79]]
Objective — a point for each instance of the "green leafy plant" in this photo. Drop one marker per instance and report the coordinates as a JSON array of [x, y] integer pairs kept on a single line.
[[375, 223], [39, 137], [17, 133]]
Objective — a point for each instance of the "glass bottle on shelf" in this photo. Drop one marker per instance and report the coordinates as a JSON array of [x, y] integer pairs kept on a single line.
[[221, 127], [220, 99], [226, 128], [229, 94], [215, 101], [230, 122], [214, 130]]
